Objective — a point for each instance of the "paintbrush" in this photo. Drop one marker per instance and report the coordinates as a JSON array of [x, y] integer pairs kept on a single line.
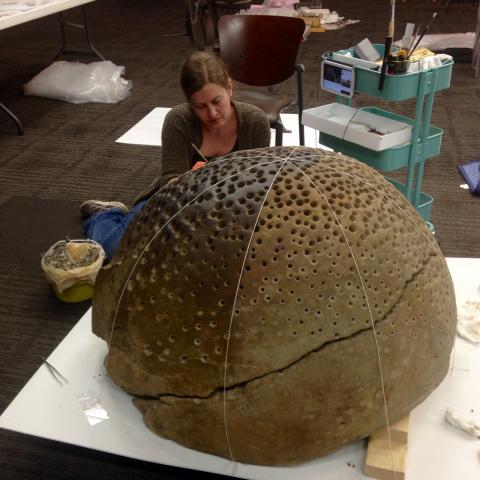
[[424, 31], [199, 152], [388, 45], [391, 25], [417, 31]]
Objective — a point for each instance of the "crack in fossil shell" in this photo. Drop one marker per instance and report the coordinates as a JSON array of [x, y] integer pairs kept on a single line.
[[241, 385], [126, 347]]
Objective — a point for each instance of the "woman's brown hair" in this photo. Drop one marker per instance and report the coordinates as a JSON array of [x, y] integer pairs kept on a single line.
[[201, 68]]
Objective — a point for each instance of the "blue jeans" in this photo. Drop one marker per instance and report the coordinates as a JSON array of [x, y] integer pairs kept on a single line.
[[108, 227]]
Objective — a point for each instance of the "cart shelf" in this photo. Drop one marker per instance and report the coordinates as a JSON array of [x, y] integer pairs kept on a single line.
[[424, 206], [392, 158], [425, 139]]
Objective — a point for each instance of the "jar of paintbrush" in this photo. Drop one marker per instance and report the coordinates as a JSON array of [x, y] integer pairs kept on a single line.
[[398, 62]]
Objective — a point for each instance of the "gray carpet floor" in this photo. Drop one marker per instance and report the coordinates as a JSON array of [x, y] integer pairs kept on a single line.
[[68, 154]]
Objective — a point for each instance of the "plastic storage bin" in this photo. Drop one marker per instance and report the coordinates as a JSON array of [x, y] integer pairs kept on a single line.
[[392, 158], [362, 127]]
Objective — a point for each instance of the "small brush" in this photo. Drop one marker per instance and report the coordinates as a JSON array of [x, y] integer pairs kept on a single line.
[[388, 45], [417, 31], [199, 152], [425, 30]]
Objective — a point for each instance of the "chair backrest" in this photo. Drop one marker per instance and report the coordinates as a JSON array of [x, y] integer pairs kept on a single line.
[[260, 50]]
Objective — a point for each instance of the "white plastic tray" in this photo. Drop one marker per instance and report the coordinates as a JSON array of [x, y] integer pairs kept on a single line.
[[357, 126]]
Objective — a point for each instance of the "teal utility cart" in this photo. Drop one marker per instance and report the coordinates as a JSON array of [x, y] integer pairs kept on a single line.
[[425, 139]]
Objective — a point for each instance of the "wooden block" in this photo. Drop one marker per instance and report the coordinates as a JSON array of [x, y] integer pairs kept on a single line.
[[383, 461], [398, 431], [386, 461], [317, 29], [313, 23]]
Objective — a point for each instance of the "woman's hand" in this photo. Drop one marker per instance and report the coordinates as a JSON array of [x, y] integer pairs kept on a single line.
[[198, 165]]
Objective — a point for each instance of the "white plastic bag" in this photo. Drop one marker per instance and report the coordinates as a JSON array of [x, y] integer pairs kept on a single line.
[[77, 82]]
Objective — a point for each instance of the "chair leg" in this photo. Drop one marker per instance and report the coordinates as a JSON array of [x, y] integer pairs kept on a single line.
[[278, 135], [301, 130], [13, 117]]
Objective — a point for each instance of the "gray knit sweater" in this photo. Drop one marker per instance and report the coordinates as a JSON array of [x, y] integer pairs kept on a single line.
[[182, 128]]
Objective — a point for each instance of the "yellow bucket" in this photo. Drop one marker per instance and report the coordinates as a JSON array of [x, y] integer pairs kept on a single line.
[[76, 293], [72, 279]]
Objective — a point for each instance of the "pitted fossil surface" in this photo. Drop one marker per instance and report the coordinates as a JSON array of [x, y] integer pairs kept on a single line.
[[252, 303]]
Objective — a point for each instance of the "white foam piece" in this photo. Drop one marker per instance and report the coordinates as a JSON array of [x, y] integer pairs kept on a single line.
[[46, 409]]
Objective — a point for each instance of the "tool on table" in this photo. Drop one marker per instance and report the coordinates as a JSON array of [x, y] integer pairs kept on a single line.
[[59, 378], [388, 45], [424, 31]]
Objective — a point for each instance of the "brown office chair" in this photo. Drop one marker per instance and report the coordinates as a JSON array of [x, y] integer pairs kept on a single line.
[[261, 51], [226, 7], [201, 18]]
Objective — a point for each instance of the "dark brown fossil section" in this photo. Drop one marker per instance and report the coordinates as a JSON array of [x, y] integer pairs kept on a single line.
[[239, 307]]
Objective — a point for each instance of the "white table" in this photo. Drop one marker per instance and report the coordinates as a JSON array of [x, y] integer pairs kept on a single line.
[[436, 450], [42, 9], [39, 11]]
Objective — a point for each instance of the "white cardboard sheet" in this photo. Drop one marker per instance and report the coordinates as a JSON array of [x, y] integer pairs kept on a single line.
[[436, 450], [441, 41], [148, 131]]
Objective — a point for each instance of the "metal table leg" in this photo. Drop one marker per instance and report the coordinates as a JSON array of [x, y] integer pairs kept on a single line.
[[63, 49], [13, 117]]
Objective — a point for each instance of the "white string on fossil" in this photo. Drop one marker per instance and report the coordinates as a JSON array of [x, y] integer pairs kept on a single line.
[[284, 160], [367, 301], [431, 241]]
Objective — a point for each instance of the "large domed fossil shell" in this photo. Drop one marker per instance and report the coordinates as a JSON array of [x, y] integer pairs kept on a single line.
[[276, 305]]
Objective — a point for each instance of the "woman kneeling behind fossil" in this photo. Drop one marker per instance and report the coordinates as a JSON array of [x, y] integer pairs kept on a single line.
[[209, 125]]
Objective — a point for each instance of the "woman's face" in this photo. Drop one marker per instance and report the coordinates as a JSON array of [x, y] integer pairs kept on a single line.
[[211, 104]]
